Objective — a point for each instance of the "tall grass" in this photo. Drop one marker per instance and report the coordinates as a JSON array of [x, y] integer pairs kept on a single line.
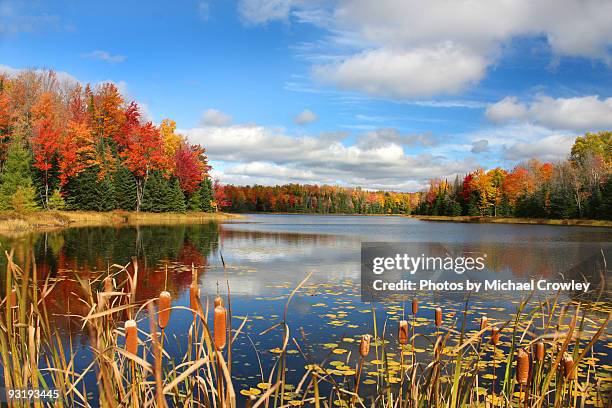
[[133, 368]]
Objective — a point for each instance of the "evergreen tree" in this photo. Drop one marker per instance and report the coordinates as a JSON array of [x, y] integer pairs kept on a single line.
[[56, 201], [87, 193], [15, 177], [206, 195], [194, 202], [176, 198], [156, 194], [125, 189]]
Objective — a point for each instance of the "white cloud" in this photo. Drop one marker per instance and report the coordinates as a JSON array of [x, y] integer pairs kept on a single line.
[[247, 154], [264, 11], [578, 113], [104, 56], [305, 117], [550, 148], [521, 141], [382, 47], [62, 77], [406, 74], [506, 110], [214, 117], [26, 17]]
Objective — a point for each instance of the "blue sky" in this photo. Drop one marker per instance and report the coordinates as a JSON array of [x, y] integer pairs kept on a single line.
[[383, 94]]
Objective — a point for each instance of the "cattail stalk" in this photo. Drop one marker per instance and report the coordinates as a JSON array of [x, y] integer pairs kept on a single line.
[[522, 371], [494, 341], [364, 350]]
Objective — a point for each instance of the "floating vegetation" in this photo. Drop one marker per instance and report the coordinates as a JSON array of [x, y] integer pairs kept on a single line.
[[314, 344]]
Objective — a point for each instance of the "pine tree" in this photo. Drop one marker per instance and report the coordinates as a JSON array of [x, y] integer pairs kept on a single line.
[[16, 177], [194, 202], [87, 193], [176, 197], [125, 189], [206, 195], [56, 201], [155, 194]]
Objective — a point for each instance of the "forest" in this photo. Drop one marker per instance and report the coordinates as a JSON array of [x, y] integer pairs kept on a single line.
[[68, 147], [579, 187]]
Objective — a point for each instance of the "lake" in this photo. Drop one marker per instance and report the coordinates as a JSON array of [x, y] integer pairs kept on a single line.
[[266, 256]]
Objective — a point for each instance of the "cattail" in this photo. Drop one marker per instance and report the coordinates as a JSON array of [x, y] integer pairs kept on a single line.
[[108, 284], [483, 322], [569, 369], [403, 332], [415, 306], [364, 347], [540, 351], [218, 301], [220, 327], [164, 304], [522, 367], [494, 336], [131, 336], [438, 317], [13, 298], [194, 297]]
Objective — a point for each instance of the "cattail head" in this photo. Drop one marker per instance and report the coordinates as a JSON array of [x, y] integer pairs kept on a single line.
[[364, 346], [194, 297], [220, 327], [484, 322], [108, 284], [569, 369], [522, 367], [494, 336], [131, 336], [403, 332], [164, 305], [540, 351], [415, 306], [218, 301], [438, 317]]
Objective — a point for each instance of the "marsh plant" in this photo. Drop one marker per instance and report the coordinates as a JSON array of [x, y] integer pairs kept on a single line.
[[503, 363]]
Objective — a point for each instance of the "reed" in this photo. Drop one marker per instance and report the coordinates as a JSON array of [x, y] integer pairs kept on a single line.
[[132, 367]]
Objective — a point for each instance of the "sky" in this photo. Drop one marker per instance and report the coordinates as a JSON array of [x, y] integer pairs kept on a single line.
[[384, 94]]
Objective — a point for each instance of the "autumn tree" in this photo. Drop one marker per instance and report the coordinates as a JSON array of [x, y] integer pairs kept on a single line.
[[143, 154], [45, 141]]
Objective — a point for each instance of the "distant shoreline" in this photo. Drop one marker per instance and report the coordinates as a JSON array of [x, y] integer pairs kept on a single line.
[[12, 223], [513, 220], [464, 219]]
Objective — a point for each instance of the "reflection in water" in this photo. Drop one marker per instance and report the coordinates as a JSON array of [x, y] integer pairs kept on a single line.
[[283, 249], [268, 255]]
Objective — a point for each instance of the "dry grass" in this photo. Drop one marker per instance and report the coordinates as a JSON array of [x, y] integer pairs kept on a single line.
[[12, 223], [138, 372], [513, 220]]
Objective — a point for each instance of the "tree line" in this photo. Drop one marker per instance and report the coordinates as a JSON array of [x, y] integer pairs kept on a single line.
[[313, 199], [580, 187], [64, 146]]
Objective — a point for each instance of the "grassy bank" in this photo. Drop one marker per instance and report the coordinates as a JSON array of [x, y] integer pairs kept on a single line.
[[513, 220], [12, 222]]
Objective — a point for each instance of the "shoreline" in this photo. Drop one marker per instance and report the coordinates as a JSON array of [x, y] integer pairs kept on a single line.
[[12, 223], [513, 220]]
